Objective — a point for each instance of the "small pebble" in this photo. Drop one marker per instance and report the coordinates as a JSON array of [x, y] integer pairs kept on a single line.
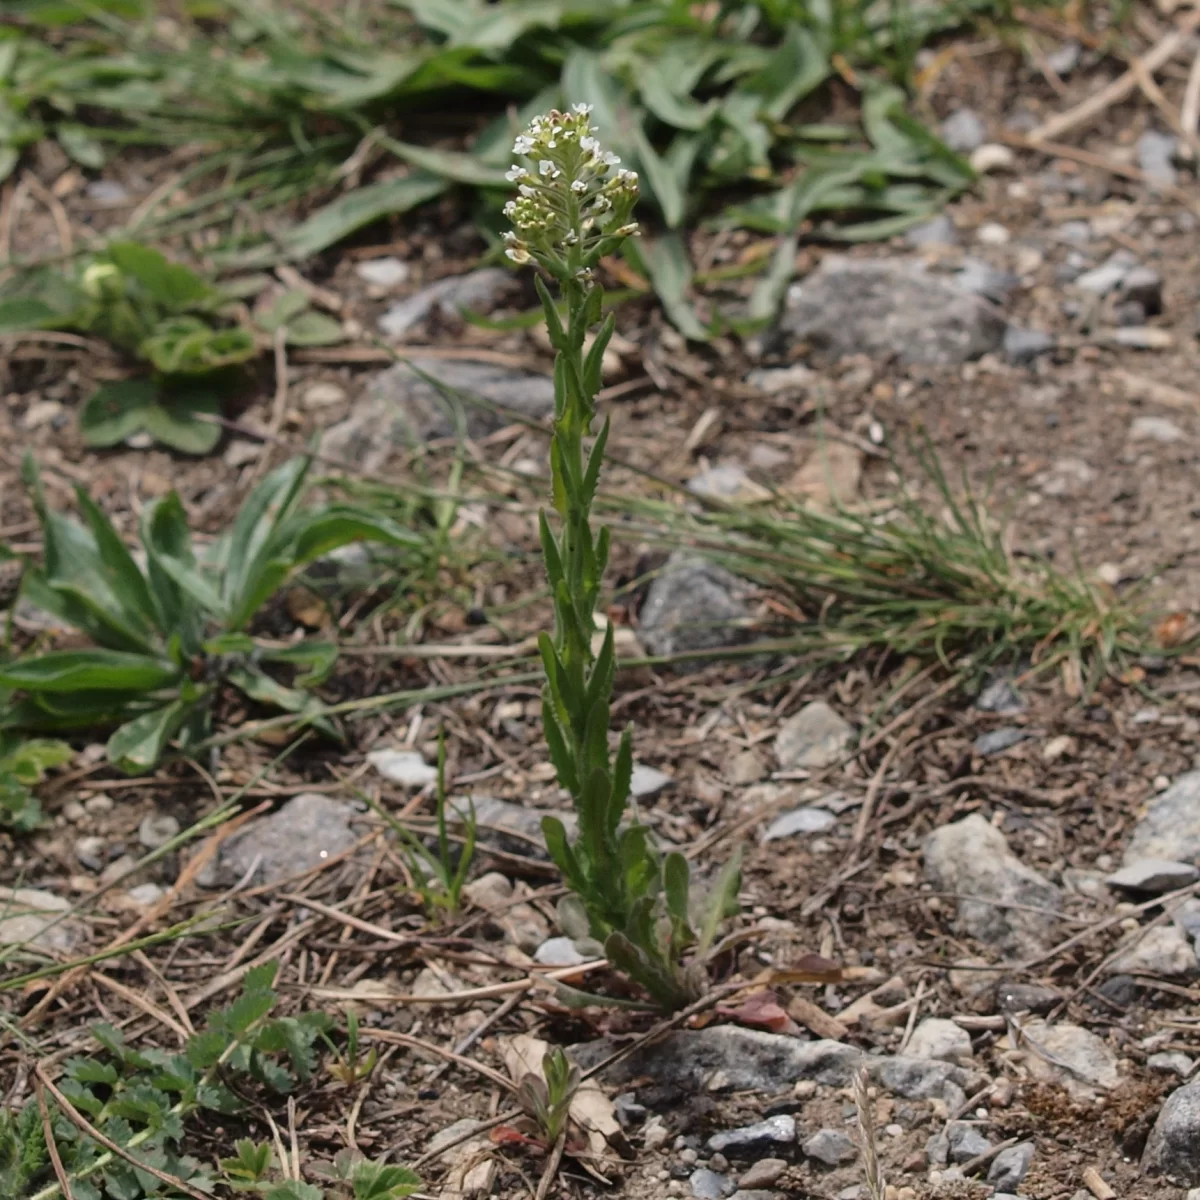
[[718, 1162], [763, 1173], [157, 829], [74, 811], [98, 804]]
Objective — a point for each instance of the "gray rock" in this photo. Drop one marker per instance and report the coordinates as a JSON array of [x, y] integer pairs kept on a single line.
[[1144, 286], [1170, 826], [725, 481], [936, 232], [1010, 1166], [1070, 1055], [754, 1139], [1109, 275], [558, 952], [1023, 346], [831, 1147], [1065, 59], [479, 291], [1154, 876], [107, 193], [400, 408], [629, 1112], [157, 829], [937, 1037], [814, 737], [972, 858], [763, 1173], [799, 820], [1025, 997], [919, 1078], [405, 767], [963, 131], [387, 272], [91, 852], [306, 831], [1171, 1062], [709, 1185], [980, 278], [890, 308], [995, 741], [693, 605], [512, 828], [1155, 429], [1000, 696], [1186, 915], [146, 895], [779, 381], [648, 781], [1173, 1147], [755, 1194], [965, 1142], [1155, 157], [36, 918], [728, 1057], [1162, 950]]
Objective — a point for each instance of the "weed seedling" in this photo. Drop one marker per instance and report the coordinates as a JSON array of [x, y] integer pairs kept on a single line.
[[547, 1097], [574, 208], [351, 1065]]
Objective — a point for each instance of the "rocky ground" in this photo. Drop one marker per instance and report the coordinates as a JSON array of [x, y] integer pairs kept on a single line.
[[989, 902]]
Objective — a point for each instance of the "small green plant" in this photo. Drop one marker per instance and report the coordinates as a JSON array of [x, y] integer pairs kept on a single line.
[[351, 1174], [573, 209], [439, 874], [170, 635], [547, 1097], [351, 1065], [23, 764]]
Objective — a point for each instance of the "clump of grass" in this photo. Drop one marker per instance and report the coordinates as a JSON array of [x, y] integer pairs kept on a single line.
[[940, 586]]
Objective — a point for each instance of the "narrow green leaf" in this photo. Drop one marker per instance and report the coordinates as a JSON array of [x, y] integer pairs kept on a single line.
[[80, 670], [138, 745]]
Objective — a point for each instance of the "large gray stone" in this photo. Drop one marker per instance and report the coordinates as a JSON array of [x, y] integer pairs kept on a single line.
[[890, 308], [755, 1139], [1154, 876], [831, 1147], [1170, 827], [306, 831], [478, 291], [1070, 1055], [36, 918], [1161, 950], [972, 858], [941, 1038], [1173, 1147], [1010, 1166], [400, 408], [511, 827], [814, 737], [693, 605]]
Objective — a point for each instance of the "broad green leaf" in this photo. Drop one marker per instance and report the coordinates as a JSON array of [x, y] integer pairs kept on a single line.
[[170, 285], [449, 164], [313, 535], [189, 346], [81, 145], [23, 313], [314, 329], [165, 535], [319, 659], [666, 265], [382, 1181], [80, 670], [140, 743], [183, 416], [667, 186], [363, 206], [661, 96], [116, 411], [125, 580], [797, 67]]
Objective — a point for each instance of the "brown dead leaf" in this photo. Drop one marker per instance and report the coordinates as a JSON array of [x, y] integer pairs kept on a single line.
[[761, 1010], [815, 1018], [808, 968], [306, 608], [1171, 630]]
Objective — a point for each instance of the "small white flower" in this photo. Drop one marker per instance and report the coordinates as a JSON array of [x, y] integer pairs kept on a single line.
[[582, 110], [515, 174], [589, 144], [609, 159], [527, 191], [579, 187], [545, 167], [523, 144], [510, 209]]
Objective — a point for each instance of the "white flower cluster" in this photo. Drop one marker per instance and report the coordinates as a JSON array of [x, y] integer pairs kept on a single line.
[[572, 207]]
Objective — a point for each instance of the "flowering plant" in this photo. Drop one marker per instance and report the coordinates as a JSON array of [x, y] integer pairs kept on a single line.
[[574, 206]]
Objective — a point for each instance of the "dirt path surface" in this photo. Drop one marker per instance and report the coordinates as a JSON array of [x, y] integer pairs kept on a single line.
[[986, 896]]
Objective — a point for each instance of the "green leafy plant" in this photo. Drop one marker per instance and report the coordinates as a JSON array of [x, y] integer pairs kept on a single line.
[[547, 1097], [23, 764], [573, 209], [351, 1065], [245, 1057], [171, 634], [162, 314], [439, 874]]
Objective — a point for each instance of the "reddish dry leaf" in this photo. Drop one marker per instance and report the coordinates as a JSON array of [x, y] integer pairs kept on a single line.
[[761, 1010], [1171, 630], [808, 968]]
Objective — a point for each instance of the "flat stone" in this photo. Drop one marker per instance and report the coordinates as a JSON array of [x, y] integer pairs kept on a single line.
[[938, 231], [972, 858], [710, 1185], [799, 820], [1154, 876], [1155, 153], [405, 767], [399, 408], [815, 737], [1010, 1166], [919, 1078], [963, 131], [558, 952], [979, 278], [763, 1173], [727, 481], [91, 852], [937, 1037], [1162, 950], [965, 1142], [831, 1147], [388, 272], [648, 781], [1072, 1056], [1155, 429], [157, 829], [692, 605], [306, 831], [992, 157], [1108, 276], [739, 1059], [1173, 1147], [1066, 58], [890, 309], [1171, 1062], [1023, 346], [1026, 997], [510, 827], [753, 1139], [780, 381], [999, 696], [996, 741], [33, 917], [479, 291], [1170, 827]]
